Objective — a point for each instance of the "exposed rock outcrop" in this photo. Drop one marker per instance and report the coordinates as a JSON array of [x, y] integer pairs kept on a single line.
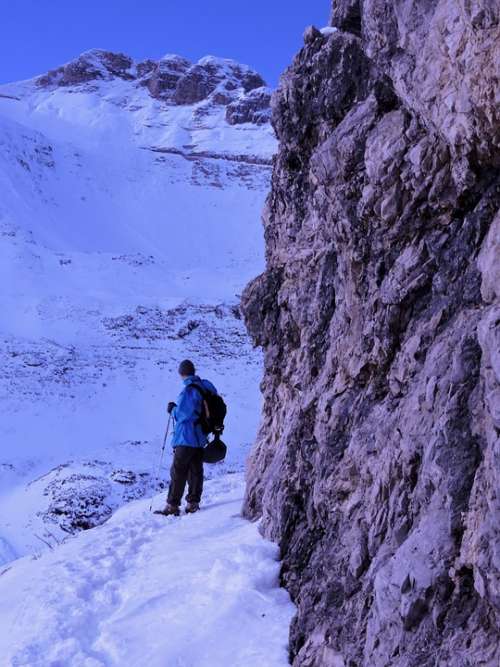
[[174, 80], [254, 107], [206, 77], [162, 77], [377, 467], [89, 66]]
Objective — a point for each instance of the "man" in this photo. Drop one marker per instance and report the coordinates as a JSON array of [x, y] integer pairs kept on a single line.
[[188, 442]]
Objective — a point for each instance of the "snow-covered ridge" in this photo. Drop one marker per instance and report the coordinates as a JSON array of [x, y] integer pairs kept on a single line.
[[172, 79], [213, 94]]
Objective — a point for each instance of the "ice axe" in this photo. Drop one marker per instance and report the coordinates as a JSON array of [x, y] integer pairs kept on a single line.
[[161, 457]]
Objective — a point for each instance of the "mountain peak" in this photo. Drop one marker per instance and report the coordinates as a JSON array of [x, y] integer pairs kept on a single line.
[[90, 65], [173, 80]]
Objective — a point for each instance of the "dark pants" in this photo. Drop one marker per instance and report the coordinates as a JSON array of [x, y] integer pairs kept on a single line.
[[187, 466]]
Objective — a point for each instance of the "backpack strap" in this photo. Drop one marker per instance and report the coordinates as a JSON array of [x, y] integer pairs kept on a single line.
[[204, 394]]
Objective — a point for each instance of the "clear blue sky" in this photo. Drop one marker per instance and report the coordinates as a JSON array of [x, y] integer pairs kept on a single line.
[[37, 35]]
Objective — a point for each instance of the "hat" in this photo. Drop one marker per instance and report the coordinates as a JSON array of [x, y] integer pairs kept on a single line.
[[186, 368]]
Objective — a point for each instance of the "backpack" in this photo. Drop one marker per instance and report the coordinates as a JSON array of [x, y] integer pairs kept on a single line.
[[213, 411]]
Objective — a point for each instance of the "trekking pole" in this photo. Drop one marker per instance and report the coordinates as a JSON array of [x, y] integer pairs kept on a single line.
[[161, 457]]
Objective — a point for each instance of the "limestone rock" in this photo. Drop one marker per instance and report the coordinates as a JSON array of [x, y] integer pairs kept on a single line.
[[161, 78], [205, 77], [254, 107], [91, 65], [377, 465]]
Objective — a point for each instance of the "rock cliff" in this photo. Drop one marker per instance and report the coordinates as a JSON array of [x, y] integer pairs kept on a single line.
[[377, 465]]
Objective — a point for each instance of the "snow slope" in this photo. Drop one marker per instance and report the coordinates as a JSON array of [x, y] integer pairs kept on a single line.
[[128, 226], [143, 590]]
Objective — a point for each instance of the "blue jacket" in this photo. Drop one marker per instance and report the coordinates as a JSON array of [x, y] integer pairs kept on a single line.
[[189, 407]]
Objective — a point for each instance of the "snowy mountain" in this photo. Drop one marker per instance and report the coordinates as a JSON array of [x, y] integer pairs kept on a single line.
[[130, 199]]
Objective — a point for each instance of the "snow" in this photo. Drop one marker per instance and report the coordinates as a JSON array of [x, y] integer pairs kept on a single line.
[[116, 262], [122, 114], [145, 590], [175, 57], [328, 30], [7, 553], [128, 229], [225, 64]]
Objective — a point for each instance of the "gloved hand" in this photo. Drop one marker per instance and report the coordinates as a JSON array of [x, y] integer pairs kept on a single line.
[[170, 407]]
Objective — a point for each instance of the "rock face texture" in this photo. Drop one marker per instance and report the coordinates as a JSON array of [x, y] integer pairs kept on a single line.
[[91, 65], [377, 466], [254, 107]]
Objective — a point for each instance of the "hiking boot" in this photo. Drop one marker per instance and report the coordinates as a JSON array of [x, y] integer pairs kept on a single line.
[[191, 508], [170, 510]]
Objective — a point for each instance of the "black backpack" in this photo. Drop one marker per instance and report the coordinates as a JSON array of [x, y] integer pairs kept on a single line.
[[213, 411]]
